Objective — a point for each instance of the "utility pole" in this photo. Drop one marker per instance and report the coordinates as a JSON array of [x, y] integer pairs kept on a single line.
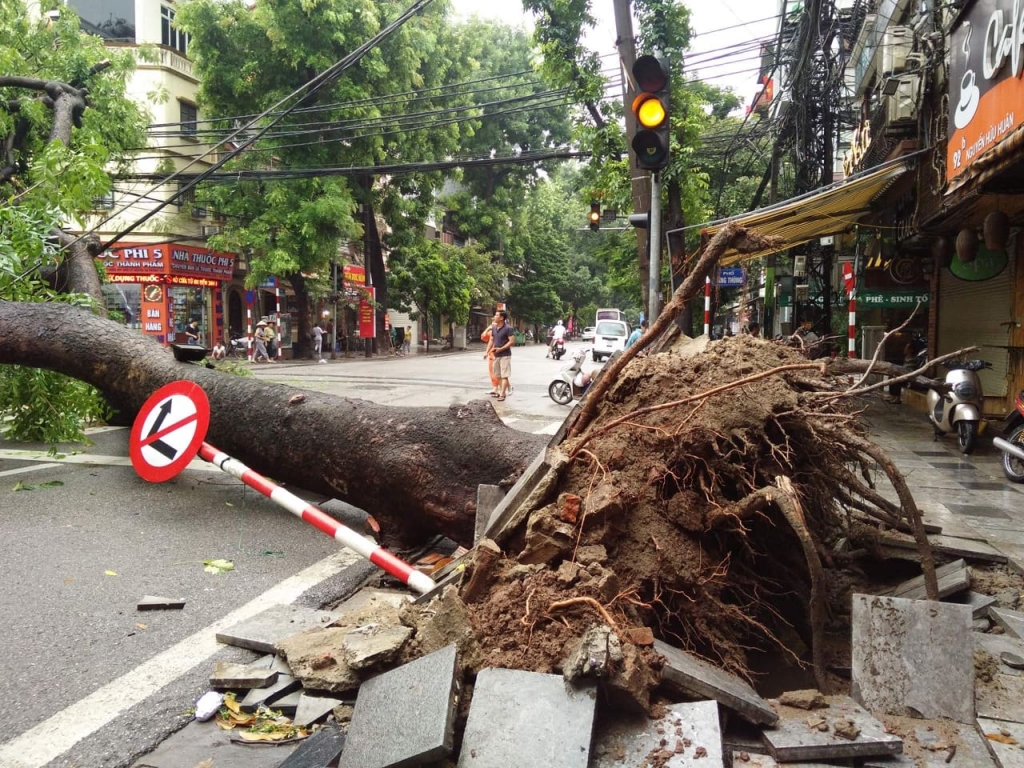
[[654, 235]]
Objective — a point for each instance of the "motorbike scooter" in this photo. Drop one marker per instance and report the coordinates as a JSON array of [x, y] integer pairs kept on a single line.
[[959, 409], [1013, 446], [564, 389], [558, 349]]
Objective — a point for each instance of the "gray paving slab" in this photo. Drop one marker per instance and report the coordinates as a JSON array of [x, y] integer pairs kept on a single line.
[[997, 645], [405, 716], [913, 658], [517, 494], [938, 744], [241, 676], [198, 742], [527, 720], [1011, 621], [1006, 740], [263, 631], [157, 603], [687, 736], [952, 578], [287, 704], [702, 680], [487, 499], [313, 708], [370, 597], [319, 750], [1002, 698], [742, 759], [797, 736], [977, 602], [951, 545], [284, 686]]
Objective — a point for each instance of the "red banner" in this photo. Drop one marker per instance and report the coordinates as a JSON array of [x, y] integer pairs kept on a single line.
[[353, 276], [182, 262], [367, 319]]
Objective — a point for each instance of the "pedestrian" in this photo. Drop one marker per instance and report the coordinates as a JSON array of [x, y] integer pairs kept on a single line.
[[557, 333], [219, 351], [502, 340], [270, 336], [407, 342], [318, 341], [260, 341], [489, 357], [400, 341], [192, 332], [636, 334], [754, 329]]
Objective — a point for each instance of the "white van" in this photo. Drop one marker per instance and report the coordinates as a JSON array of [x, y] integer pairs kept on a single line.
[[610, 336]]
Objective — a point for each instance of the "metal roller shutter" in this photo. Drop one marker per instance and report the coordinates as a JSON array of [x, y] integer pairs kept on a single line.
[[977, 314]]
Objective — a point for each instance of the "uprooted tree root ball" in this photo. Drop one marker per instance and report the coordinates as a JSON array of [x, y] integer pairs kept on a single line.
[[710, 519]]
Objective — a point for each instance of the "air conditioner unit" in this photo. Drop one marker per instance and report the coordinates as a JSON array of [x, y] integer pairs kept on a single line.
[[210, 229], [901, 107], [198, 212], [897, 43]]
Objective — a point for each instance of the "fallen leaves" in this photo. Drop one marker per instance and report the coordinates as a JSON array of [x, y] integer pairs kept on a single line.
[[218, 566], [264, 724], [23, 486]]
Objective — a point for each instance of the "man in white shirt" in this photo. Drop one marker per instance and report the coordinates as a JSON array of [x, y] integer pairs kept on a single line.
[[557, 333]]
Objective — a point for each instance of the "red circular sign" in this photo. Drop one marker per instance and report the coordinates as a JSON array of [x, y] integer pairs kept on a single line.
[[168, 431]]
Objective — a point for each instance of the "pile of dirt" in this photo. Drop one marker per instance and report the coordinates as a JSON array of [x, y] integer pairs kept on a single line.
[[710, 519]]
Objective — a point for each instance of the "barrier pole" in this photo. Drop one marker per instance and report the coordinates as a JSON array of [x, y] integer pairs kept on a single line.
[[707, 306], [852, 344], [248, 331], [319, 520]]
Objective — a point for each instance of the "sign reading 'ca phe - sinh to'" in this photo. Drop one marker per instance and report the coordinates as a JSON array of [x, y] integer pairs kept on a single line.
[[891, 299]]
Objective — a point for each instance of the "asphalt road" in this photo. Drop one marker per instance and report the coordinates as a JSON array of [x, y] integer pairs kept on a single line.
[[86, 680]]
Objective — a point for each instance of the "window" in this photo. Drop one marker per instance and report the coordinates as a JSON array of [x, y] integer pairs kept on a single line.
[[189, 118], [187, 199], [170, 35]]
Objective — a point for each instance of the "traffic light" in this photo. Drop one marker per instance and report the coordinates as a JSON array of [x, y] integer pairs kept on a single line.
[[651, 107], [595, 216]]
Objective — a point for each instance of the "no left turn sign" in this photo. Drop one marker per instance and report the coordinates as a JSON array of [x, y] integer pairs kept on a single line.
[[168, 431]]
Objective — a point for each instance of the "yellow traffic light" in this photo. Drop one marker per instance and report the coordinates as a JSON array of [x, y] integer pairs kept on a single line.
[[595, 216], [649, 110], [652, 141]]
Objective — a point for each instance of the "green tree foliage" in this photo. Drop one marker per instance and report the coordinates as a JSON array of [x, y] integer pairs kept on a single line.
[[433, 276], [49, 176]]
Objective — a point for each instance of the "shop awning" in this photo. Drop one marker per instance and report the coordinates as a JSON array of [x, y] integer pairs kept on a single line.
[[827, 211]]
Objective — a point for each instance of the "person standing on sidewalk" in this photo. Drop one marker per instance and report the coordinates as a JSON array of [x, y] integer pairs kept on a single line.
[[318, 341], [502, 340]]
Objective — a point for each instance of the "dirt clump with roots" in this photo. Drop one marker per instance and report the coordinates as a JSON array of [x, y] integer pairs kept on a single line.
[[708, 521]]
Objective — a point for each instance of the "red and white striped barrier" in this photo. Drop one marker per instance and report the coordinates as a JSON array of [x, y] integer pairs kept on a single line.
[[707, 306], [320, 520], [248, 330], [852, 348]]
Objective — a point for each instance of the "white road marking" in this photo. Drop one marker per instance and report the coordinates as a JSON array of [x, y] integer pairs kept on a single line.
[[55, 736], [33, 468], [86, 458], [550, 429]]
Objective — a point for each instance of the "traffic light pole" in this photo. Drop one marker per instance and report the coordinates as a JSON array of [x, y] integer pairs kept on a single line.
[[654, 241]]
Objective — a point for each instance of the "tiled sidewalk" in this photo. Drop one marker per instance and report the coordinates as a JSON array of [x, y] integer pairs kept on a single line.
[[967, 495]]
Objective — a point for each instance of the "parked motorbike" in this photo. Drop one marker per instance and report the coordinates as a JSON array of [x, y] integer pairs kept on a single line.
[[239, 347], [564, 389], [959, 410], [1013, 446], [559, 349]]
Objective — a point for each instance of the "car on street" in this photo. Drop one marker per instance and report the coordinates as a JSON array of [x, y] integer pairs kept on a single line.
[[588, 334], [609, 336]]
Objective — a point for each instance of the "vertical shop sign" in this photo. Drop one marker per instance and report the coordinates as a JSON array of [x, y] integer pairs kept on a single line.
[[154, 311], [367, 324]]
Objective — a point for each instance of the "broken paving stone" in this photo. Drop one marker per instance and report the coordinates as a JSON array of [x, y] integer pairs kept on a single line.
[[487, 499], [241, 676], [369, 645], [1005, 740], [154, 603], [948, 545], [1011, 621], [529, 720], [1012, 660], [288, 703], [595, 655], [263, 631], [952, 578], [267, 696], [314, 708], [913, 658], [672, 741], [747, 759], [996, 645], [806, 699], [979, 603], [938, 744], [698, 678], [405, 716], [792, 741], [317, 658], [1003, 698], [320, 749]]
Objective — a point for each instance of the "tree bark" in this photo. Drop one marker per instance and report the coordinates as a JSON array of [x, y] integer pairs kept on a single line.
[[416, 470]]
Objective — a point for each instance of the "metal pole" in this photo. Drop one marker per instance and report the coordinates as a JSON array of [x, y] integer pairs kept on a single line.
[[334, 325], [654, 239]]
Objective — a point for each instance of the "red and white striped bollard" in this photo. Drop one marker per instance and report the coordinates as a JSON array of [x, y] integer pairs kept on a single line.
[[707, 306]]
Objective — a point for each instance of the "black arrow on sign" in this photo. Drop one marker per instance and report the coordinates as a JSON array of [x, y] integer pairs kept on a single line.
[[159, 445]]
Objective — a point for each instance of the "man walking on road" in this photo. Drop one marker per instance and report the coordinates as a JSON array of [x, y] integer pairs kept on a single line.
[[502, 340]]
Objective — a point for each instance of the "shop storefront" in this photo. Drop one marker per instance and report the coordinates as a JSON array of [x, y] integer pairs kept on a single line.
[[167, 286]]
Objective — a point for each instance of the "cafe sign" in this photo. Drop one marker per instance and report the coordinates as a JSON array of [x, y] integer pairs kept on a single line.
[[892, 299], [986, 91]]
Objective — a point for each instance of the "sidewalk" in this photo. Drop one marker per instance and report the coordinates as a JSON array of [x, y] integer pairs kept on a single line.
[[967, 495]]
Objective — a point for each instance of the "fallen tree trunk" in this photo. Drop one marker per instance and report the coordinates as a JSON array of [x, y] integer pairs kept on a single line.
[[415, 469]]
